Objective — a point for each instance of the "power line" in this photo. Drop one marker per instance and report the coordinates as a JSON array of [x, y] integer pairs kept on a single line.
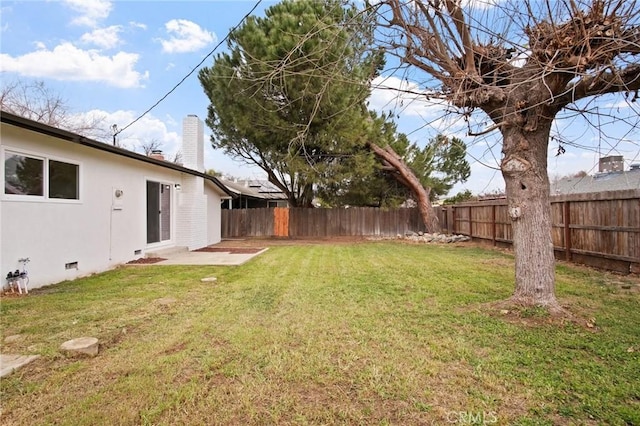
[[255, 6]]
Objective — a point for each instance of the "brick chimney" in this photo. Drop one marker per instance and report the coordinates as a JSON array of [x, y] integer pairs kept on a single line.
[[612, 163], [157, 154], [193, 143]]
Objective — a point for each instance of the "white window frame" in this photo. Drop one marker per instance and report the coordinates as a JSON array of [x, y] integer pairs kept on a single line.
[[6, 151]]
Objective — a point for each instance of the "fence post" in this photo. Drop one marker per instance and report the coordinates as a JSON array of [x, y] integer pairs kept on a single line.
[[445, 216], [470, 222], [567, 230], [493, 224], [453, 220]]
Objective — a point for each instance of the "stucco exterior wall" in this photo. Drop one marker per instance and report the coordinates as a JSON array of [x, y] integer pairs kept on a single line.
[[214, 201], [96, 231]]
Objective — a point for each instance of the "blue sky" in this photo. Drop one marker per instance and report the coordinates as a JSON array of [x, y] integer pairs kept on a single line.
[[115, 59]]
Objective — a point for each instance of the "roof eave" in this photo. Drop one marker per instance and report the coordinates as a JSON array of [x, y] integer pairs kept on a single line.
[[45, 129]]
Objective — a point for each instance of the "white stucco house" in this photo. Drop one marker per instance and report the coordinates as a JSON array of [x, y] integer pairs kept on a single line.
[[75, 206]]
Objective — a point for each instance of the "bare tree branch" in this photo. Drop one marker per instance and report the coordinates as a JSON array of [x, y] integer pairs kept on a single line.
[[627, 80]]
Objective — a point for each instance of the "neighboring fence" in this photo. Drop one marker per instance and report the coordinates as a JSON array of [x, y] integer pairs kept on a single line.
[[598, 229], [248, 223], [319, 223]]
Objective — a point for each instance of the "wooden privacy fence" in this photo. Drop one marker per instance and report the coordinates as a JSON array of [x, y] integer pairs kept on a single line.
[[598, 229], [319, 223]]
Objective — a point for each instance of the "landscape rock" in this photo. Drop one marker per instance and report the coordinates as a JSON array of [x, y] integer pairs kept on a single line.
[[81, 346], [166, 301], [13, 338], [209, 280], [11, 363]]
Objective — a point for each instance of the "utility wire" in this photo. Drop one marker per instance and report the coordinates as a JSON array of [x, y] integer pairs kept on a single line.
[[255, 6]]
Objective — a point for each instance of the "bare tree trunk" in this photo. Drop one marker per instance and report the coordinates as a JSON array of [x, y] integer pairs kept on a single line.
[[406, 177], [306, 197], [429, 217], [524, 168]]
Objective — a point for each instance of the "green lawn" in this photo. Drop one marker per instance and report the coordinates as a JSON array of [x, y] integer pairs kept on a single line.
[[370, 333]]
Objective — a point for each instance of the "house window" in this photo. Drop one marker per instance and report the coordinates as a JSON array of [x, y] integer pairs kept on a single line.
[[23, 175], [28, 175], [63, 180]]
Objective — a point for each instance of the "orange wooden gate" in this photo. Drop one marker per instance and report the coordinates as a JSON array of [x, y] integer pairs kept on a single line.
[[281, 222]]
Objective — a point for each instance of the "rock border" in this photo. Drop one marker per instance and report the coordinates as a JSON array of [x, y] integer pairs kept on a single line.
[[425, 237]]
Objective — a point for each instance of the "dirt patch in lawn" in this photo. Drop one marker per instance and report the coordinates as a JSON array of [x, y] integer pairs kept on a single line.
[[9, 293], [232, 250], [146, 261], [536, 316]]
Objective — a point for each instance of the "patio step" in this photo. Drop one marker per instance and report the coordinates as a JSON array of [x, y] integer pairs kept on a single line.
[[165, 252]]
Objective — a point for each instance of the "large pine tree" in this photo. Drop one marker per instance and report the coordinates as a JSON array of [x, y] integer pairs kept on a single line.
[[288, 95]]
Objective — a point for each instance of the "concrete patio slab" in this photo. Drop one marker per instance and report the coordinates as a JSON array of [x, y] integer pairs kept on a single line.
[[221, 258], [10, 363]]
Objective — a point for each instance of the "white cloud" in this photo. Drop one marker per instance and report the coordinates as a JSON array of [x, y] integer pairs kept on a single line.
[[91, 11], [571, 162], [186, 36], [622, 103], [480, 4], [150, 128], [217, 160], [484, 180], [140, 25], [147, 129], [106, 38], [418, 115], [475, 4], [67, 62], [520, 60], [404, 97]]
